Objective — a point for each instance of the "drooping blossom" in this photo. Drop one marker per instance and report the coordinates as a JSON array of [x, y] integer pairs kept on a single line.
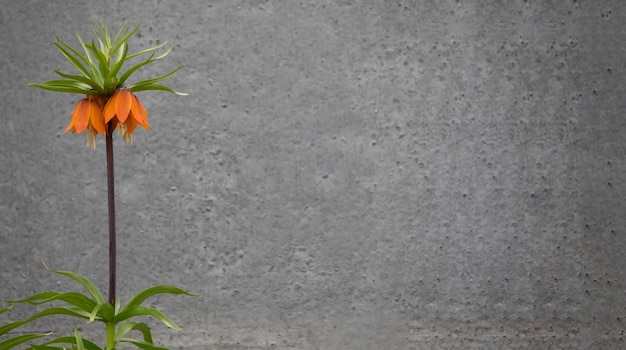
[[87, 115], [126, 112]]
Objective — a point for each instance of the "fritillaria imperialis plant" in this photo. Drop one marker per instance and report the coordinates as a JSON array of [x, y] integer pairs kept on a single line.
[[109, 104]]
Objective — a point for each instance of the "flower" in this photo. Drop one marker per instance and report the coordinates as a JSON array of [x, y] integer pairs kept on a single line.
[[126, 112], [88, 115], [110, 101]]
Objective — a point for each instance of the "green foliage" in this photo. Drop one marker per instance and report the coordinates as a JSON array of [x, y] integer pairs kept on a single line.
[[100, 64], [91, 307]]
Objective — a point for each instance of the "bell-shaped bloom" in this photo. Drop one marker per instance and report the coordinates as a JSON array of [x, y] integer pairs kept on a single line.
[[88, 116], [126, 112]]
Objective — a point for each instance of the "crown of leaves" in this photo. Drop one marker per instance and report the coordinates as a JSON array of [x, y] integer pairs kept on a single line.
[[101, 63]]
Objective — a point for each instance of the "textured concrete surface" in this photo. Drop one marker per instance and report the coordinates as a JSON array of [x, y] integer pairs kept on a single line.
[[344, 174]]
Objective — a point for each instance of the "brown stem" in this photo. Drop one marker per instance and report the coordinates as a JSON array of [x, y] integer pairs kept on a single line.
[[111, 190]]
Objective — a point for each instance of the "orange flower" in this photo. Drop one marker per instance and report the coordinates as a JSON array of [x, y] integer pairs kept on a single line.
[[126, 111], [88, 115]]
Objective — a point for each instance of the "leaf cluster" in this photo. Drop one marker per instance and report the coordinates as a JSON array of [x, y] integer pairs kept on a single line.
[[101, 61], [92, 307]]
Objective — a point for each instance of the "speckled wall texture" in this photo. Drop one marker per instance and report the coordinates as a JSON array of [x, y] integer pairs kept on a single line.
[[343, 174]]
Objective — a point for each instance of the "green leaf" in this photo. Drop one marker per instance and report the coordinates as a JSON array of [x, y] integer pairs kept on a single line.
[[10, 343], [102, 311], [165, 53], [141, 64], [79, 340], [142, 344], [62, 89], [119, 54], [128, 326], [132, 69], [157, 79], [89, 61], [35, 297], [103, 48], [149, 292], [125, 38], [79, 300], [137, 311], [85, 282], [119, 62], [6, 309], [103, 63], [156, 87], [104, 32], [66, 83], [94, 75], [154, 48], [46, 347], [75, 62], [89, 345], [67, 310], [123, 28], [10, 326], [79, 78]]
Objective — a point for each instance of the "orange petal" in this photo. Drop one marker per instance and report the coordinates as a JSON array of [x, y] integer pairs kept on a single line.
[[109, 108], [99, 99], [131, 124], [70, 126], [81, 115], [139, 113], [145, 115], [96, 119], [123, 102]]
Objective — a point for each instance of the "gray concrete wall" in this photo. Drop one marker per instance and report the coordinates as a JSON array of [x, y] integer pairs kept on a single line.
[[343, 175]]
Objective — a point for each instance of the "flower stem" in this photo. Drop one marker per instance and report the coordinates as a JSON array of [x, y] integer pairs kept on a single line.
[[111, 190], [110, 329]]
